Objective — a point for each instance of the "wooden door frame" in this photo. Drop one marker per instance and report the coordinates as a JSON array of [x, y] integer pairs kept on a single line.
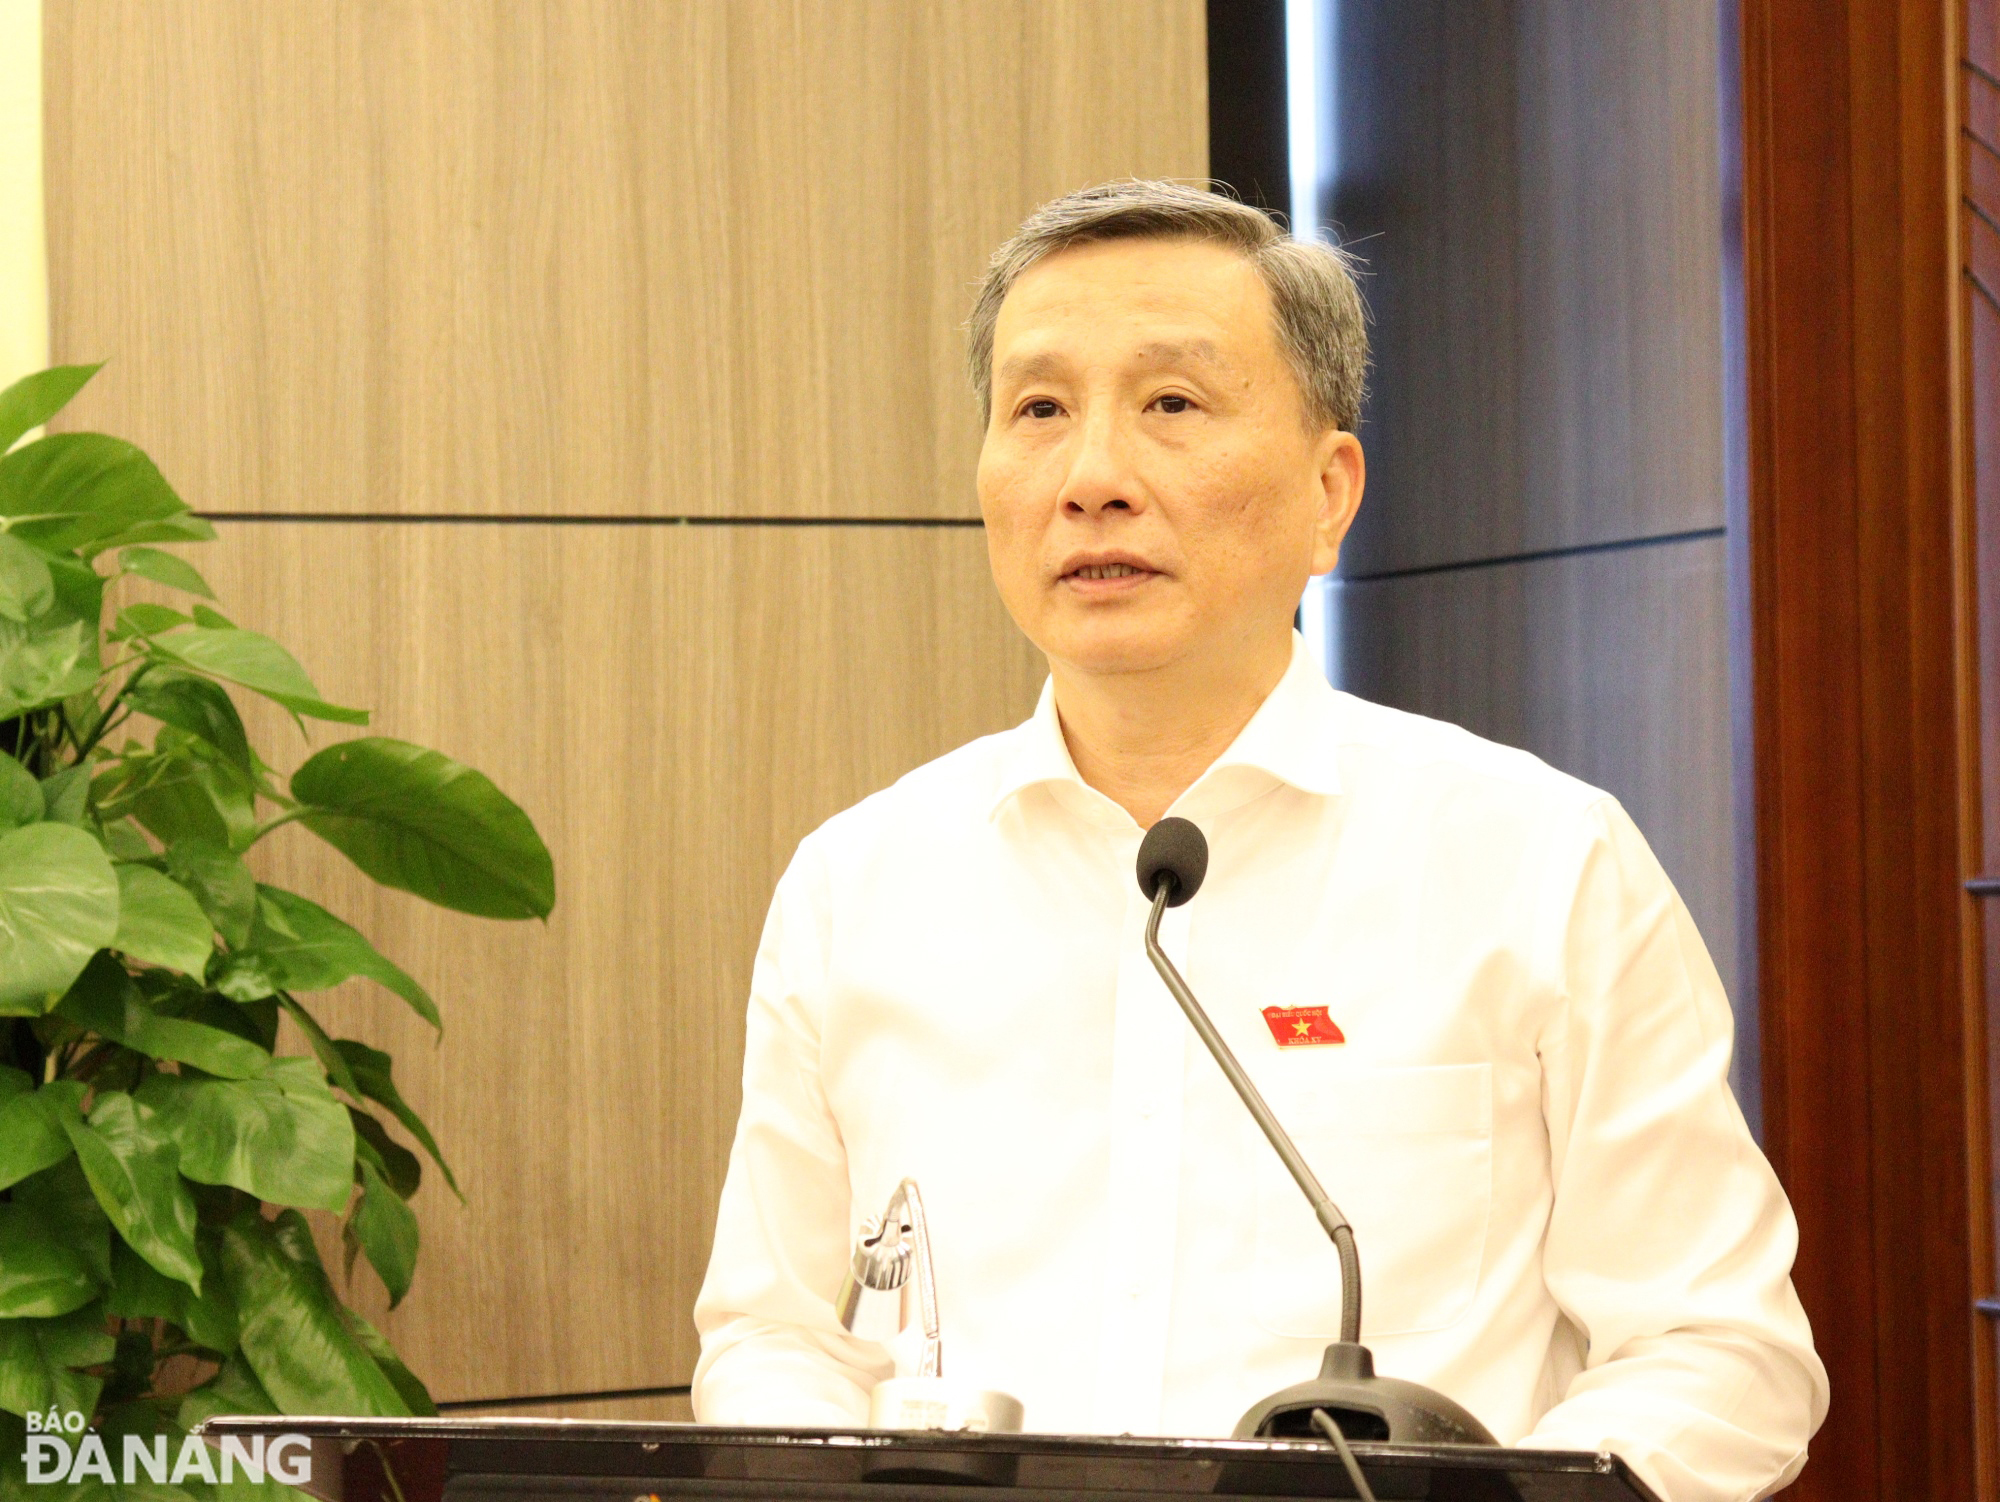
[[1857, 647]]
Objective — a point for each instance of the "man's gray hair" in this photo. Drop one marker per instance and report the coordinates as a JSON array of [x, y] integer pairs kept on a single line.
[[1321, 326]]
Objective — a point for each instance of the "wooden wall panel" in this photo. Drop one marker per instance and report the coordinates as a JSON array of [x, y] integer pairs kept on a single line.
[[1535, 185], [675, 707], [1858, 593], [478, 256], [433, 270], [1611, 666]]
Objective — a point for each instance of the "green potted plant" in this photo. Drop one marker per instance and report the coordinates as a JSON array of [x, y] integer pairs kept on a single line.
[[157, 1151]]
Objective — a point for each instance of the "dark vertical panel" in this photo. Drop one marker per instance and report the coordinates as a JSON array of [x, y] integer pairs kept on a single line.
[[1985, 331], [1249, 139], [1535, 186], [1428, 195], [1747, 1069], [1981, 300]]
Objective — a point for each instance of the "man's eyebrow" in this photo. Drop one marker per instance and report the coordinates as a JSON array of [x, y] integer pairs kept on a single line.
[[1035, 367], [1175, 353], [1046, 363]]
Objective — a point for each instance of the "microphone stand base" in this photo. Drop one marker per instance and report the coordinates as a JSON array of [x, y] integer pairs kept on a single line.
[[938, 1403], [943, 1408], [1365, 1406]]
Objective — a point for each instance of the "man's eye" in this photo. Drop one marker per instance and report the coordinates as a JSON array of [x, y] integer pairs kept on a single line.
[[1175, 404], [1043, 408]]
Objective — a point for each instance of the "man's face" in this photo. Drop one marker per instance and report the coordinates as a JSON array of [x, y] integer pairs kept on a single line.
[[1152, 493]]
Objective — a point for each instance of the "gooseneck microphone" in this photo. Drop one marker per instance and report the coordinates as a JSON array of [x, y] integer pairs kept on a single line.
[[1347, 1396], [1173, 859]]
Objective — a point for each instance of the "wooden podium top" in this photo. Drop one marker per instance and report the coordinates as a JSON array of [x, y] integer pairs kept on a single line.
[[529, 1460]]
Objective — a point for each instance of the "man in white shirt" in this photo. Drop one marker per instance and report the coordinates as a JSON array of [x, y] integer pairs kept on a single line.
[[1512, 1074]]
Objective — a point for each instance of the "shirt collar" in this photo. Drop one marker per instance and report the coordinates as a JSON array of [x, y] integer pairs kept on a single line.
[[1291, 739]]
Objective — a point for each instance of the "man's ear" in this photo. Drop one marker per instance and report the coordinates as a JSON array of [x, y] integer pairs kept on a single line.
[[1343, 471]]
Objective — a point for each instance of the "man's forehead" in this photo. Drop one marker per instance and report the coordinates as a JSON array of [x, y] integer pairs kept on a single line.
[[1144, 301], [1043, 356]]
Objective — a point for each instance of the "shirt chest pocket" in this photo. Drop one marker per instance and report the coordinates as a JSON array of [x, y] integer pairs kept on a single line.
[[1407, 1154]]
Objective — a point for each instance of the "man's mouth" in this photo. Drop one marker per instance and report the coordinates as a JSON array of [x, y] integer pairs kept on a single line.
[[1105, 571]]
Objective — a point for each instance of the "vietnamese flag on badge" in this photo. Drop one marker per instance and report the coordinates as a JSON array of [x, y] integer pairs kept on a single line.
[[1298, 1027]]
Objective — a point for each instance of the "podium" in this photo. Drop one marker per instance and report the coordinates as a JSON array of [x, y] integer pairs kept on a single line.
[[542, 1460]]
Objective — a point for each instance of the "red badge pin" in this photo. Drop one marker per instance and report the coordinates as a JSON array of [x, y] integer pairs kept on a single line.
[[1299, 1027]]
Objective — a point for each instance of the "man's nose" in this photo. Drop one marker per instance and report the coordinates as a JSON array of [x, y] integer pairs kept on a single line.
[[1099, 476]]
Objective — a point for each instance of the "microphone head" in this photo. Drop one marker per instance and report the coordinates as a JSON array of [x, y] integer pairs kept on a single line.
[[1173, 848]]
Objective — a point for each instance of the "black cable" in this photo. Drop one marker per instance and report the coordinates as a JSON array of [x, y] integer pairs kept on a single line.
[[1331, 1430]]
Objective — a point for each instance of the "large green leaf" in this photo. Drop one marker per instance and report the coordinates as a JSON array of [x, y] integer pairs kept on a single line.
[[147, 619], [44, 661], [220, 882], [386, 1231], [20, 795], [79, 589], [66, 795], [412, 1390], [62, 1196], [31, 1129], [371, 1069], [39, 1276], [186, 527], [210, 1319], [105, 1001], [233, 1389], [293, 1336], [198, 706], [185, 791], [34, 399], [130, 1161], [58, 907], [160, 922], [297, 945], [283, 1138], [165, 568], [416, 819], [26, 590], [401, 1167], [253, 660], [39, 1361], [80, 490], [140, 1291]]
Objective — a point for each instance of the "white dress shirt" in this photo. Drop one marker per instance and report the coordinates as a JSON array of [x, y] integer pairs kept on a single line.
[[1563, 1221]]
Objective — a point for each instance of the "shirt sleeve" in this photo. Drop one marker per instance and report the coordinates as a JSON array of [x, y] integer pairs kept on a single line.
[[772, 1350], [1670, 1243]]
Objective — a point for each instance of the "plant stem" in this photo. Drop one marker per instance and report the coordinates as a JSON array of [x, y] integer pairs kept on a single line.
[[388, 1471], [287, 817], [105, 723]]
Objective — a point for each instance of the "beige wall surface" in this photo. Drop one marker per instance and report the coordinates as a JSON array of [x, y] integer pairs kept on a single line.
[[24, 282], [675, 707], [448, 310], [655, 257]]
